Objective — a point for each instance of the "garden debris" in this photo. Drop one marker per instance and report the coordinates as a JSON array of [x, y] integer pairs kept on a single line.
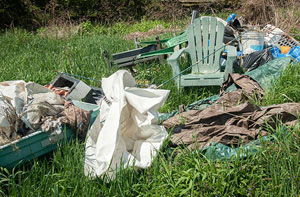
[[28, 107], [229, 118], [126, 129], [229, 125]]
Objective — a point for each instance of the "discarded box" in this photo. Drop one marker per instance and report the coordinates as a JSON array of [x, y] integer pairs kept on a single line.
[[77, 90], [38, 143]]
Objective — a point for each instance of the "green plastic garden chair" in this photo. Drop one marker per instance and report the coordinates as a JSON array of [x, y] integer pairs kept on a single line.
[[205, 38]]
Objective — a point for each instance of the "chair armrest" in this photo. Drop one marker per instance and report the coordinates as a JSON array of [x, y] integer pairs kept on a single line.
[[176, 55]]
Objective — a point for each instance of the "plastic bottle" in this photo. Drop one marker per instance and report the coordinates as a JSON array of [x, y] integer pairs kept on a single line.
[[231, 17]]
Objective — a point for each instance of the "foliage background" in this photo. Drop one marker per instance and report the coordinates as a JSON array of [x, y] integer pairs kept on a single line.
[[36, 13]]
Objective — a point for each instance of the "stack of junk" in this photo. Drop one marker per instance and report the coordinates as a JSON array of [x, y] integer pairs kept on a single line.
[[259, 46], [121, 127], [34, 118], [120, 123]]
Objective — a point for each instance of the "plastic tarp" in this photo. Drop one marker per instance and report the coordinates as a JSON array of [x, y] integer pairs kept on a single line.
[[264, 75], [126, 131]]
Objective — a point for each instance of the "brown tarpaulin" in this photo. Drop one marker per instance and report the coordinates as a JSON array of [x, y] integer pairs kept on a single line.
[[232, 119], [230, 125]]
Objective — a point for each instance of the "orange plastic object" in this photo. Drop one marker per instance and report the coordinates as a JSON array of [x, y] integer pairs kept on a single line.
[[60, 92], [285, 49]]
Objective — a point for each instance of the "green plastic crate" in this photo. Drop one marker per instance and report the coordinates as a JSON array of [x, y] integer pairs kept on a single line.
[[38, 143]]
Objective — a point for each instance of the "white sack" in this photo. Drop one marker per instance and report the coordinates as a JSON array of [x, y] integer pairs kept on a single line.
[[125, 130]]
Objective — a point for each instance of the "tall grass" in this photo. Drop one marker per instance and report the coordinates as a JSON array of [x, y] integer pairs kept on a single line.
[[286, 88], [272, 171]]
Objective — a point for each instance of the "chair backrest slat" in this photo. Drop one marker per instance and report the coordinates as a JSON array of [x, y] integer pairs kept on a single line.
[[205, 33], [205, 36], [198, 38], [192, 44], [219, 42], [212, 39]]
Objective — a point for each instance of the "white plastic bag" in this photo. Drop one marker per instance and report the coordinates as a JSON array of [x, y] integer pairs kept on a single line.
[[126, 129]]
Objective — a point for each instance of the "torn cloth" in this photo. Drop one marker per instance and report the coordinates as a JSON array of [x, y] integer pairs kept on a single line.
[[228, 125], [246, 89], [126, 129], [27, 107], [77, 119]]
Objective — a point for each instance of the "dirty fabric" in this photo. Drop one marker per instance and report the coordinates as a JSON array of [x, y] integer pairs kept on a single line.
[[8, 120], [78, 119], [126, 131], [228, 125], [27, 107], [245, 88], [41, 104]]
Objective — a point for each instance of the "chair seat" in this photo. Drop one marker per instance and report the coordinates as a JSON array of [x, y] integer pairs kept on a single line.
[[205, 79]]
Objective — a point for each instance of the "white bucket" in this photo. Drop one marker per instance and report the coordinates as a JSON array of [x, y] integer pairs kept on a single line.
[[252, 41]]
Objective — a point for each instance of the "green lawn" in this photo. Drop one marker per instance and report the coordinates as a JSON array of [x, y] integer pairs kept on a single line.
[[272, 171]]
